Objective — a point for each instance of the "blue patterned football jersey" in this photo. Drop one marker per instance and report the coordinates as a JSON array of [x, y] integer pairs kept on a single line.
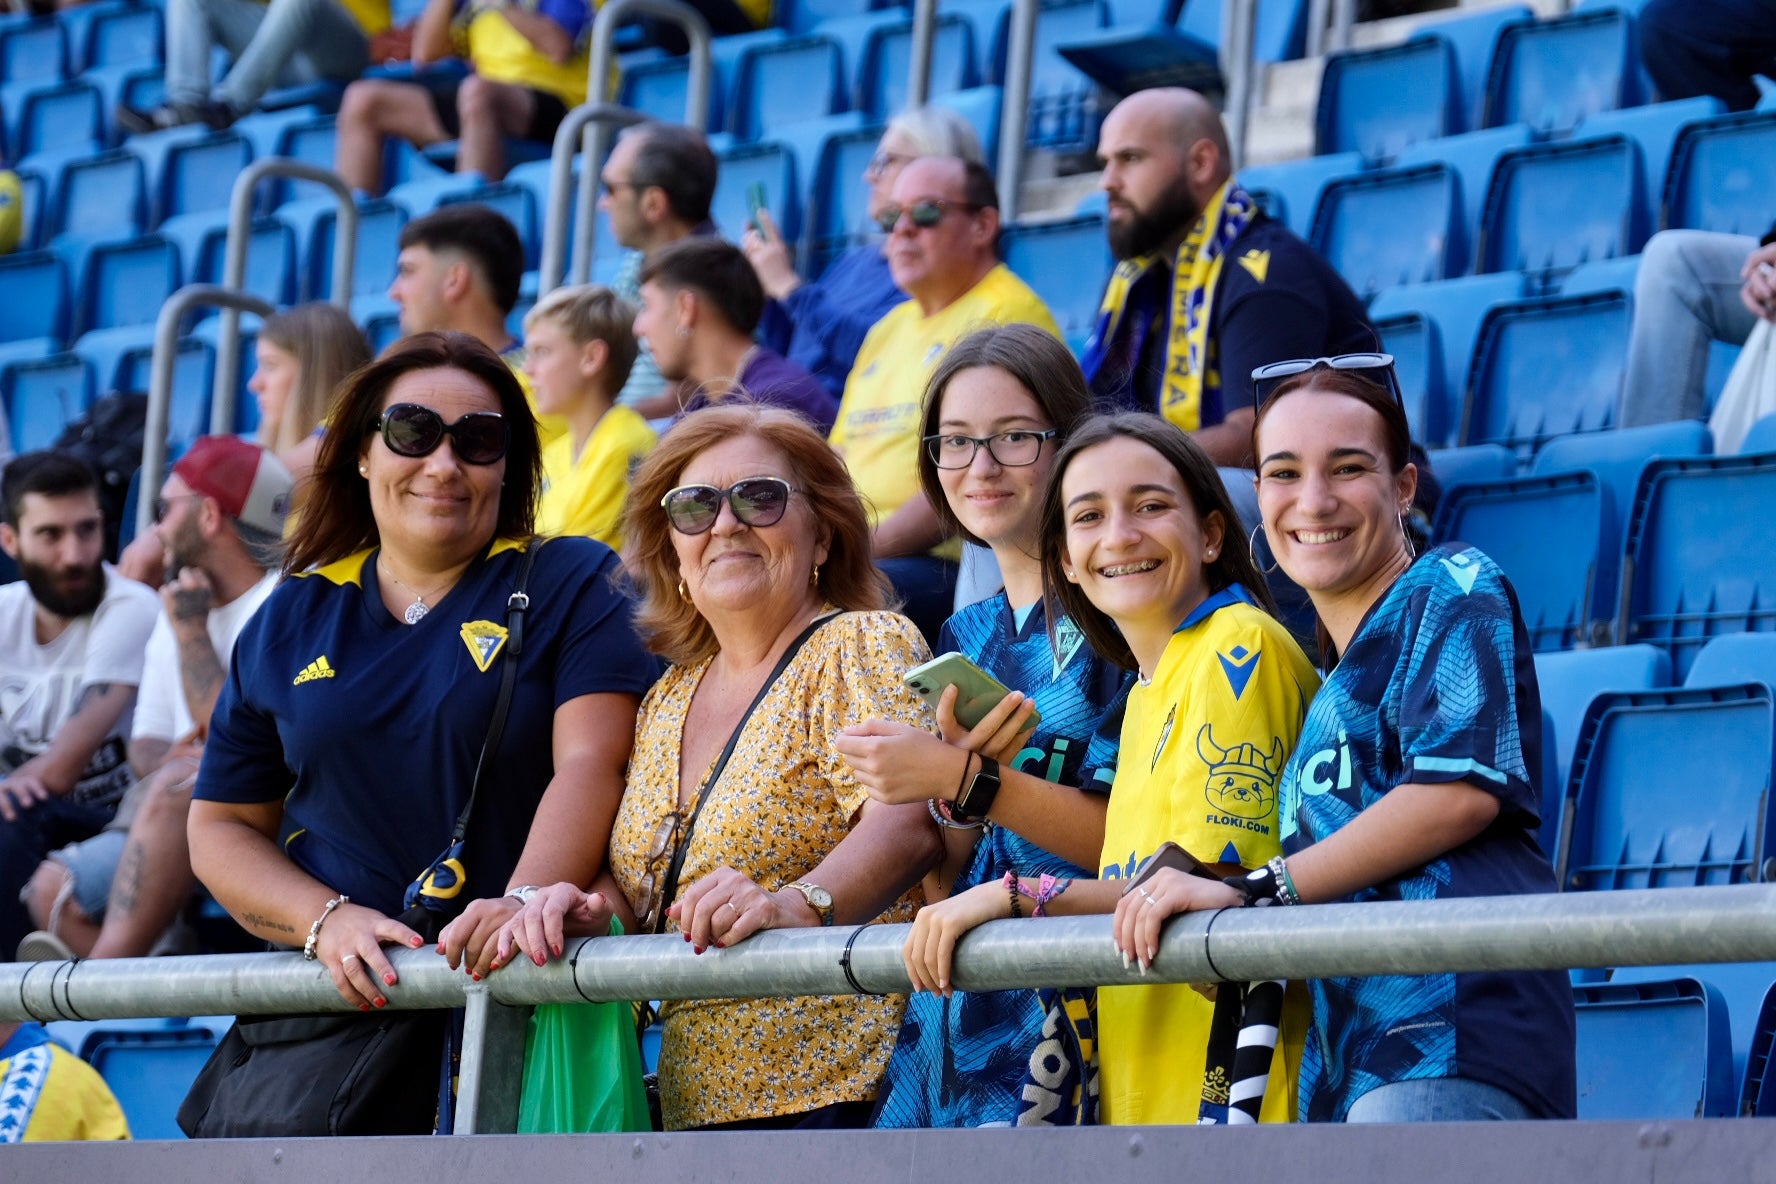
[[959, 1062], [1436, 686]]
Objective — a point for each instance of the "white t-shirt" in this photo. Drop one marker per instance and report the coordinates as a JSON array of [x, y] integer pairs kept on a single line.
[[161, 710], [40, 684]]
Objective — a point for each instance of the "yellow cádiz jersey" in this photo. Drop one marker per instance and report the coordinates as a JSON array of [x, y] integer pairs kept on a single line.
[[1203, 747], [47, 1094], [500, 53], [372, 15], [877, 428], [585, 496]]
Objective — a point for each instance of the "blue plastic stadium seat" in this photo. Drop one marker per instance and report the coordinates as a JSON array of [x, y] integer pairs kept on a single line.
[[1679, 1025], [312, 141], [1280, 36], [1569, 680], [1757, 1094], [840, 215], [1544, 532], [1690, 575], [33, 210], [1605, 275], [879, 75], [1551, 74], [769, 165], [34, 298], [1377, 102], [1064, 110], [1669, 789], [782, 83], [130, 83], [1545, 368], [150, 1072], [126, 354], [313, 222], [379, 318], [980, 106], [1743, 985], [1473, 155], [518, 207], [1473, 40], [1414, 341], [271, 253], [200, 175], [805, 140], [1735, 658], [426, 194], [126, 283], [660, 87], [40, 398], [1066, 262], [1761, 437], [208, 332], [112, 34], [60, 115], [1477, 462], [103, 194], [1290, 191], [1559, 205], [802, 16], [1655, 128], [1456, 307], [153, 150], [1127, 57], [1722, 174], [1392, 226], [33, 51]]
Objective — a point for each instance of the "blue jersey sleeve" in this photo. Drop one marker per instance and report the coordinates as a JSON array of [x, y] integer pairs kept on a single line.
[[600, 651], [1458, 712], [243, 759]]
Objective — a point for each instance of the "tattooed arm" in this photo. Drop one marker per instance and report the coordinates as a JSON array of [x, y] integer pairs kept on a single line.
[[55, 770], [188, 598]]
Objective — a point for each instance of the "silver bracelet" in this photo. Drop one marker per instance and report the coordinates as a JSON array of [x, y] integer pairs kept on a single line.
[[314, 931], [1285, 883], [944, 820]]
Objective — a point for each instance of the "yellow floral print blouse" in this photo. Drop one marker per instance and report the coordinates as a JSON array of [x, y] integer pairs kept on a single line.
[[783, 803]]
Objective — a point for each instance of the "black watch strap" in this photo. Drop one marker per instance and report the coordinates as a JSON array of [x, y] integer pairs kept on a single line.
[[977, 800]]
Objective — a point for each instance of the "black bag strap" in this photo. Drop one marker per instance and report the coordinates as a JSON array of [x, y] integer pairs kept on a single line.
[[516, 604], [669, 888]]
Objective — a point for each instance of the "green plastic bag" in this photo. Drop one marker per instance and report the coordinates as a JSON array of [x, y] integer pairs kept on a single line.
[[582, 1070]]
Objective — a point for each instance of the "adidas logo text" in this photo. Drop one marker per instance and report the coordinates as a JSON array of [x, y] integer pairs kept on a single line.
[[315, 669]]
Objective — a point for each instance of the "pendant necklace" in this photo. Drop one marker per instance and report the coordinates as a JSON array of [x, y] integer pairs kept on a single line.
[[418, 609]]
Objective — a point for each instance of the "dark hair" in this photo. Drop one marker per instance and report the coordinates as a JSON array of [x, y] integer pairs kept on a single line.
[[978, 187], [483, 234], [670, 625], [677, 161], [1396, 432], [336, 519], [1202, 483], [716, 271], [46, 473], [1033, 358]]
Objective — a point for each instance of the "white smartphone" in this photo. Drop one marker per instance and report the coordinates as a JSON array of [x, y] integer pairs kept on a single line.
[[977, 692]]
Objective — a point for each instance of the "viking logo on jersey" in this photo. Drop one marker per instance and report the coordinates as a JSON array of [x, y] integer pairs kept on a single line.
[[315, 669], [485, 640], [1242, 781]]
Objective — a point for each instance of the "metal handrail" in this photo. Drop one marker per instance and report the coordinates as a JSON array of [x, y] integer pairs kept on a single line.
[[1239, 67], [234, 265], [919, 63], [591, 123], [160, 381], [1020, 52]]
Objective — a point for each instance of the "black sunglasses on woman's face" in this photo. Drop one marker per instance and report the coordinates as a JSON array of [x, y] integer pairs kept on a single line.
[[1377, 367]]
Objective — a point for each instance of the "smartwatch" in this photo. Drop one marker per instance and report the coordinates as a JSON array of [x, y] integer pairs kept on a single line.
[[974, 803], [818, 898]]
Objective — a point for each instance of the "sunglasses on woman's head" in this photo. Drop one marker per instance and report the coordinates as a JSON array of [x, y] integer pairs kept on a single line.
[[924, 213], [756, 501], [411, 429], [1377, 367]]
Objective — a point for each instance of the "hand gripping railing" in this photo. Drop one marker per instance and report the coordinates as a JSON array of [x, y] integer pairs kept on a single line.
[[590, 123], [234, 265], [1555, 931], [160, 381]]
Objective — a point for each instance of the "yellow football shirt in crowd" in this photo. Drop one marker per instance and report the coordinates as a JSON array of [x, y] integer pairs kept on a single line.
[[584, 495]]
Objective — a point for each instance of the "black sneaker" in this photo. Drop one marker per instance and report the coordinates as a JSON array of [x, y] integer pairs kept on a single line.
[[140, 123], [218, 117]]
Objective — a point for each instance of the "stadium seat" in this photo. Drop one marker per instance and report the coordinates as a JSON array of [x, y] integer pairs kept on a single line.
[[1544, 532], [425, 194], [208, 332], [661, 87], [1545, 368], [1456, 307], [1757, 1094], [199, 175], [1417, 348], [1569, 680], [311, 141], [104, 194], [1744, 987], [1473, 40], [884, 56], [1723, 171], [1552, 74], [1064, 109], [130, 83], [60, 115], [980, 106], [769, 165], [1605, 275], [805, 140], [840, 214], [1669, 789], [1478, 462], [1473, 155], [1680, 1025], [785, 82], [126, 283], [1391, 227], [313, 222], [1735, 658], [1376, 102], [202, 239], [33, 51], [1290, 191], [41, 396], [1054, 258], [1559, 205], [1655, 128], [1761, 437], [1689, 574], [113, 34], [150, 1073], [34, 300], [802, 16], [126, 355], [152, 149], [1280, 36], [518, 207]]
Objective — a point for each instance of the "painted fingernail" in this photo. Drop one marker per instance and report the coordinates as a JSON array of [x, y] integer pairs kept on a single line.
[[1143, 967], [687, 937], [538, 959], [474, 976], [1152, 953], [696, 949], [380, 1001], [440, 947], [388, 980], [363, 1007], [557, 948], [721, 945], [1125, 959], [416, 943]]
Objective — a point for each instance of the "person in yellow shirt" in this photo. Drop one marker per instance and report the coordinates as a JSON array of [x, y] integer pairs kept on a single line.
[[49, 1094], [943, 235], [580, 345], [529, 65]]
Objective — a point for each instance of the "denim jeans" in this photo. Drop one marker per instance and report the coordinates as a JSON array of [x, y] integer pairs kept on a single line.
[[283, 43], [1685, 296], [1437, 1099]]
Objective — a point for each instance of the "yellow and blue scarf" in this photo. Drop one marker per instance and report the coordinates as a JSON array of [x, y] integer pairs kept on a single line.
[[1191, 381]]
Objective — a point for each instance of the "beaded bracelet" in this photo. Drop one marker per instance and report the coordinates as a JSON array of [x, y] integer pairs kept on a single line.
[[940, 814], [314, 931], [1014, 886], [1285, 882]]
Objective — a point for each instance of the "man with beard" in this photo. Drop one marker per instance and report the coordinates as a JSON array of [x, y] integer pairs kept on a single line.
[[1207, 286], [72, 632], [219, 519]]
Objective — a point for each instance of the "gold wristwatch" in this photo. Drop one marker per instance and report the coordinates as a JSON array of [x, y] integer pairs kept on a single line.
[[818, 898]]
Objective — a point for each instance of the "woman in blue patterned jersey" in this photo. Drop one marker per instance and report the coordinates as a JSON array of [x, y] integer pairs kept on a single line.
[[999, 407], [1414, 778]]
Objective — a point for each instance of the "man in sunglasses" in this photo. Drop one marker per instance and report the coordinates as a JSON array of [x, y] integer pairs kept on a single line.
[[943, 251], [72, 632], [1208, 287], [219, 518]]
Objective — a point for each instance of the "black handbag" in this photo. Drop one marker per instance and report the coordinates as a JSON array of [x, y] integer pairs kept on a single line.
[[334, 1074]]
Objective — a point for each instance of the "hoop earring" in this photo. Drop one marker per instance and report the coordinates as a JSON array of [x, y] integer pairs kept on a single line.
[[1252, 550], [1406, 537], [682, 594]]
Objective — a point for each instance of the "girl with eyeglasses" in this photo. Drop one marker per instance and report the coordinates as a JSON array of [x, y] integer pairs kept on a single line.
[[345, 742], [1415, 777], [1000, 406], [749, 548]]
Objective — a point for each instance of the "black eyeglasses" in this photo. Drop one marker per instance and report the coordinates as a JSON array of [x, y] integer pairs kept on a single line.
[[411, 429], [1013, 450], [925, 213], [756, 501], [1378, 367], [164, 505]]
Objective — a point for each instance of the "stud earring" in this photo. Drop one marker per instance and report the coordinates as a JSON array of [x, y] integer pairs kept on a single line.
[[682, 594], [815, 578]]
